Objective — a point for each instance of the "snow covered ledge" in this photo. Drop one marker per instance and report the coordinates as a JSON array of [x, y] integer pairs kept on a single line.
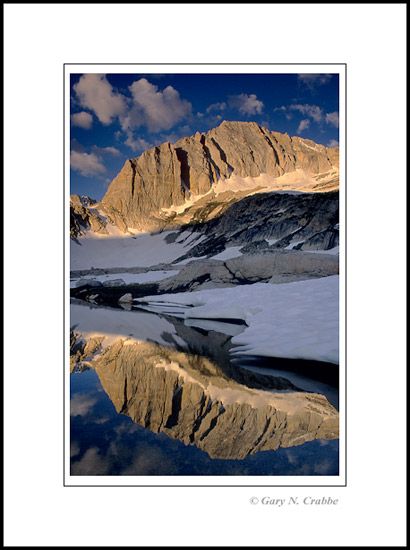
[[298, 320]]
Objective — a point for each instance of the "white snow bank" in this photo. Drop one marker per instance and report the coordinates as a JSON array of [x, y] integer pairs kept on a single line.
[[142, 250], [293, 245], [297, 320], [292, 182], [228, 253], [187, 204], [192, 259]]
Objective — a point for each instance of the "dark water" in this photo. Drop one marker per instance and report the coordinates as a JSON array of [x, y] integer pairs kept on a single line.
[[109, 439]]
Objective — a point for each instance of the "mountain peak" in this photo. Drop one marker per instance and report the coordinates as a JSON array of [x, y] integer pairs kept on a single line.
[[167, 176]]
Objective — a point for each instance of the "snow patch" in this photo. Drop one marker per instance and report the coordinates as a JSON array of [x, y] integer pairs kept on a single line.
[[297, 320], [299, 181], [293, 245], [228, 253], [142, 249], [174, 209]]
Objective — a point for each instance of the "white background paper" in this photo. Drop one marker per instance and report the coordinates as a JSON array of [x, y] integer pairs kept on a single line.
[[39, 38]]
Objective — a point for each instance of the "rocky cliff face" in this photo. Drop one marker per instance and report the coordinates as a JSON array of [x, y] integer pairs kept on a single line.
[[188, 397], [168, 175], [265, 221], [81, 217]]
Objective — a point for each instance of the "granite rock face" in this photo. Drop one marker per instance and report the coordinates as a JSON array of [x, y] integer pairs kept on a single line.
[[280, 266], [167, 175], [81, 217], [189, 398]]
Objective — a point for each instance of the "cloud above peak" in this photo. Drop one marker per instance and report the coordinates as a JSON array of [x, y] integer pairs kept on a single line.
[[246, 104], [312, 111], [155, 109], [215, 107], [137, 144], [148, 106], [333, 143], [304, 125], [95, 93], [333, 119], [87, 164]]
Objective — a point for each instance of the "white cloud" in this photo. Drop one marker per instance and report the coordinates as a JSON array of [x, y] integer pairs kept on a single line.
[[138, 144], [304, 125], [246, 104], [94, 92], [74, 449], [83, 120], [312, 111], [110, 150], [314, 80], [216, 107], [333, 119], [88, 164], [157, 110], [333, 143], [154, 109], [284, 110]]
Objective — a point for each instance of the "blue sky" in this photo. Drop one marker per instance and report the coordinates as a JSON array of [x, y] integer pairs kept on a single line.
[[119, 116]]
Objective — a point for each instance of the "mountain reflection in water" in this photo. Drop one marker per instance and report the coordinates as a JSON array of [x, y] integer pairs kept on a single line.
[[178, 381]]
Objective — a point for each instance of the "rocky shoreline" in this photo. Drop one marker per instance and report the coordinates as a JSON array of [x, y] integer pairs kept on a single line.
[[267, 266]]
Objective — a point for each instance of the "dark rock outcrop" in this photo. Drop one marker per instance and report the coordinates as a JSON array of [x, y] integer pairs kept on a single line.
[[81, 217], [308, 221]]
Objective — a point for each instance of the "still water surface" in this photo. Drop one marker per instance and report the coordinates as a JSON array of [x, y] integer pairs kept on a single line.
[[164, 398]]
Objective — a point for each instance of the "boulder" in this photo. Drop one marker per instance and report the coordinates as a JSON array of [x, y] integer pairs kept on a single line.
[[125, 298], [254, 267], [196, 273], [114, 282]]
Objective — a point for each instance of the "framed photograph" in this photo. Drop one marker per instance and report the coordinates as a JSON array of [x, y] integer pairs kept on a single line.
[[205, 275]]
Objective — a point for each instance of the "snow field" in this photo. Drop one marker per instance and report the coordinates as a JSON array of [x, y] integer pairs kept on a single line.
[[297, 320]]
